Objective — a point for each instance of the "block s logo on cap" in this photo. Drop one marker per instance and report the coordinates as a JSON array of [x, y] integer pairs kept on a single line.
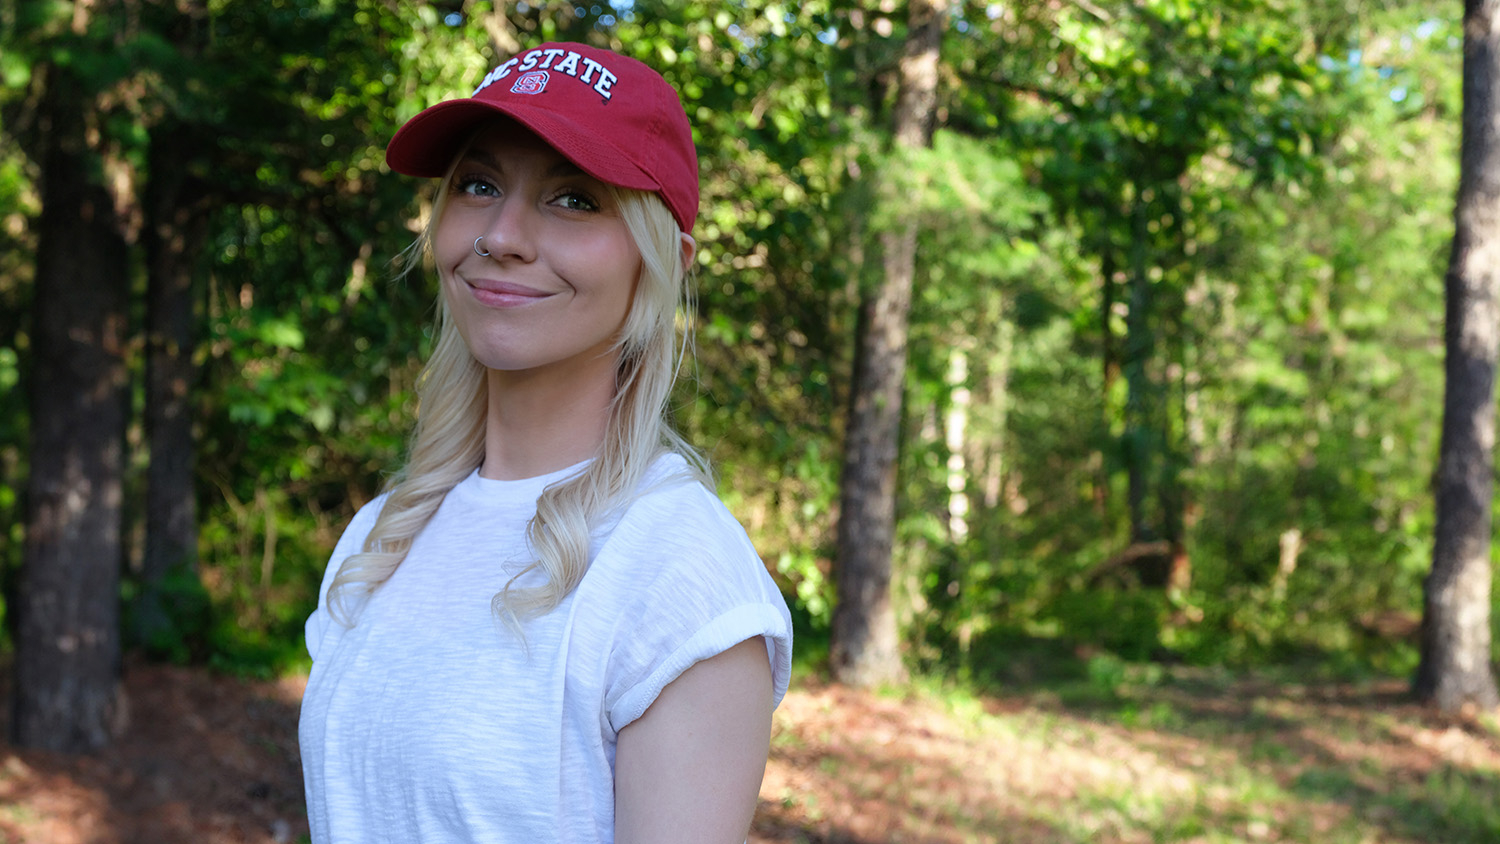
[[534, 82]]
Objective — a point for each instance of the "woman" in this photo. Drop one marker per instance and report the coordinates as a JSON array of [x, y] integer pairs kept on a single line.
[[549, 628]]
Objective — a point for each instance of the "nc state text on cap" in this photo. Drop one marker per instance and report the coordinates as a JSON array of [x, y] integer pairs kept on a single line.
[[534, 60]]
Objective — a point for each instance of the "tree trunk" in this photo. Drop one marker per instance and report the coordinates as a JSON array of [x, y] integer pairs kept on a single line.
[[865, 650], [175, 230], [1141, 394], [1110, 356], [67, 658], [1455, 670], [956, 440]]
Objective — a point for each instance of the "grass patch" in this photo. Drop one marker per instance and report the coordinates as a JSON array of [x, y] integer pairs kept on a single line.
[[1107, 750]]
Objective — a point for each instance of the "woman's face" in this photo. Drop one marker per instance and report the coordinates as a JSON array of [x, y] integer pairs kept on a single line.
[[553, 293]]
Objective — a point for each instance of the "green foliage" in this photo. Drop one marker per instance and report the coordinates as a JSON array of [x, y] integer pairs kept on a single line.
[[191, 618], [1264, 381], [1199, 242], [18, 204]]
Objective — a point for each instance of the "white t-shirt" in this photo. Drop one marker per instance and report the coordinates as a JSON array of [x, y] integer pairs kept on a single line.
[[429, 721]]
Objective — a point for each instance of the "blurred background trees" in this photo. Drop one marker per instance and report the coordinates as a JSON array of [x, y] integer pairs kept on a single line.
[[1174, 360]]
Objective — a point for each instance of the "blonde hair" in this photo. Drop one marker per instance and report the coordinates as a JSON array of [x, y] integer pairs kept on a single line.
[[448, 441]]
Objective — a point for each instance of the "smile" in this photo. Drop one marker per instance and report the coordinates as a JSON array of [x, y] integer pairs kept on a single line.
[[501, 294]]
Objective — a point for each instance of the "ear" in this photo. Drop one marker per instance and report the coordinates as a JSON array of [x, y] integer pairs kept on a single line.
[[689, 249]]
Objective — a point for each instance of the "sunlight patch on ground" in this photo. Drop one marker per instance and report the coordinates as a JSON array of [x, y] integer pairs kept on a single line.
[[1225, 766]]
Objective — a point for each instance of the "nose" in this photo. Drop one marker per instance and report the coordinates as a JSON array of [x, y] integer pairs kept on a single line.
[[511, 234]]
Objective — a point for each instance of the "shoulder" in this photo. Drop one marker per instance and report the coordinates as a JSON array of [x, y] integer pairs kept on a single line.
[[674, 492], [351, 542], [675, 515], [365, 516], [678, 581], [353, 538]]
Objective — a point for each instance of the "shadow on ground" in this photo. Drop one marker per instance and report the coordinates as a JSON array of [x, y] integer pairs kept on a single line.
[[203, 759]]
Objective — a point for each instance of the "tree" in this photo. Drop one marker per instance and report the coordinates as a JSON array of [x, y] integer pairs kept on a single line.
[[176, 228], [1455, 671], [201, 85], [865, 647], [1169, 88], [67, 639]]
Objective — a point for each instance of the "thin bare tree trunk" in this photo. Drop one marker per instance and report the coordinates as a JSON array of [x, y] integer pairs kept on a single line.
[[1455, 671], [865, 650], [956, 440]]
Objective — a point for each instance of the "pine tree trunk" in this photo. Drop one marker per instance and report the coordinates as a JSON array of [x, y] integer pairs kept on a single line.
[[1455, 671], [175, 230], [1140, 435], [865, 650], [67, 659], [1109, 354]]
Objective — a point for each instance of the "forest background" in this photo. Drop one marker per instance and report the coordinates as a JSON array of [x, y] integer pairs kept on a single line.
[[1175, 341]]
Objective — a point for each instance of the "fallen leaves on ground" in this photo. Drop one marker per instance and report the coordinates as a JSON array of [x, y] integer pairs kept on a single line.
[[209, 759]]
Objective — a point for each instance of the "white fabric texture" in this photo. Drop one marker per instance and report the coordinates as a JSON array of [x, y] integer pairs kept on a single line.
[[429, 721]]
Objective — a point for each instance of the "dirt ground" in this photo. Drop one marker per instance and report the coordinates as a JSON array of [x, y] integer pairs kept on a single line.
[[203, 759], [209, 759]]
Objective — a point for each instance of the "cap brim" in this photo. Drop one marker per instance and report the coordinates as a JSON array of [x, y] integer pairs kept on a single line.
[[427, 144]]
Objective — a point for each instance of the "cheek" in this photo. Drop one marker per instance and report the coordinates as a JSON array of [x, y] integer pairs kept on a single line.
[[604, 268], [453, 236], [447, 250]]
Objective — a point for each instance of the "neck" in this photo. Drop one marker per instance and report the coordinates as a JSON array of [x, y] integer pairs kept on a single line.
[[541, 421]]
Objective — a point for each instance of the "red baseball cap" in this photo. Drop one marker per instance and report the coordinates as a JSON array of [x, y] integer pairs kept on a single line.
[[613, 116]]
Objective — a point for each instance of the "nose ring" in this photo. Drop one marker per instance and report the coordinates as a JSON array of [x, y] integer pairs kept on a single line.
[[482, 254]]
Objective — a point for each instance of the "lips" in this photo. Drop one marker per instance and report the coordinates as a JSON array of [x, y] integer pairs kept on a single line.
[[504, 294]]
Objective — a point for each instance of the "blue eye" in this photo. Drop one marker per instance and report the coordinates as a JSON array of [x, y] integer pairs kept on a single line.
[[576, 202], [475, 186]]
